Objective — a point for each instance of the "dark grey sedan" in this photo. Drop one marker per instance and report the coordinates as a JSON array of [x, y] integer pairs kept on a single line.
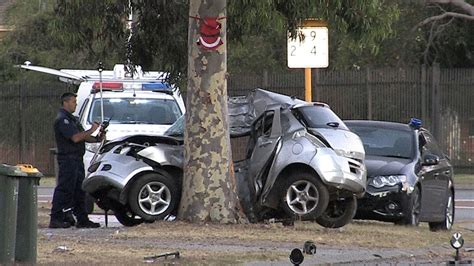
[[409, 179]]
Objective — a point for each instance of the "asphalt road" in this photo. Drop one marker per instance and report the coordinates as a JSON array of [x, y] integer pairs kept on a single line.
[[464, 202]]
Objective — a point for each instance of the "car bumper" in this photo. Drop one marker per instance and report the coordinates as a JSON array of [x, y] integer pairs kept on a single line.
[[113, 171], [341, 172], [385, 204]]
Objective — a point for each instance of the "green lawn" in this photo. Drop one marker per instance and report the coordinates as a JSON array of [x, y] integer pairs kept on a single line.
[[464, 179]]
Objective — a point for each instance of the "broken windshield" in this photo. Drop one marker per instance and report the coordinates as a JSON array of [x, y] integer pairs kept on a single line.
[[319, 117]]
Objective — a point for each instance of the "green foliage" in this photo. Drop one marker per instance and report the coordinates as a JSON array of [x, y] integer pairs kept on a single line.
[[81, 33]]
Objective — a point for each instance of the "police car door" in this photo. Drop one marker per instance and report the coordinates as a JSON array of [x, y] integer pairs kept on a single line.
[[267, 131]]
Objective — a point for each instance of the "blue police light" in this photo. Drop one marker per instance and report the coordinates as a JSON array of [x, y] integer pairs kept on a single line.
[[415, 123], [156, 86]]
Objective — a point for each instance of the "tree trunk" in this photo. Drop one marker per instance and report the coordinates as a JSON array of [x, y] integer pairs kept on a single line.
[[209, 188]]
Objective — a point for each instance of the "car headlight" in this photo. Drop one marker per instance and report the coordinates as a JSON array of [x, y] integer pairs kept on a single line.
[[92, 147], [391, 180]]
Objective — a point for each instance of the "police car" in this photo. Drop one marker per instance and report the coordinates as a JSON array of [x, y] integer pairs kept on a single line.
[[133, 103], [142, 103]]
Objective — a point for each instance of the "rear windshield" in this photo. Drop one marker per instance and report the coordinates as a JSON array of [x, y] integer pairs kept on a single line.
[[135, 111], [386, 142], [319, 117]]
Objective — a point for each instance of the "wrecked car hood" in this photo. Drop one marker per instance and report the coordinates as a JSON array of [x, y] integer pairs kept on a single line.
[[344, 142]]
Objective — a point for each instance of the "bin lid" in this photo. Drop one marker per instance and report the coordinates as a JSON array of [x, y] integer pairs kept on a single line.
[[21, 170]]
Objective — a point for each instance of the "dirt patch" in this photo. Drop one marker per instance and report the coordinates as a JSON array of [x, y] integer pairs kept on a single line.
[[212, 244]]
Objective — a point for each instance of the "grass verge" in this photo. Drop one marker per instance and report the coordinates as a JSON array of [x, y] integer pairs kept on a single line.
[[214, 244]]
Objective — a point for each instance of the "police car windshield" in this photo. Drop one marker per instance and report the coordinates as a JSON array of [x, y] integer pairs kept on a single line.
[[135, 111]]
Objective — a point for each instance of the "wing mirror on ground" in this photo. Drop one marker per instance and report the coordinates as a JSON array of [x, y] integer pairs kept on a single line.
[[430, 159]]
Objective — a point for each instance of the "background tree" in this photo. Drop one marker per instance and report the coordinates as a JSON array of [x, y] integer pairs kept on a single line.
[[256, 30], [448, 33]]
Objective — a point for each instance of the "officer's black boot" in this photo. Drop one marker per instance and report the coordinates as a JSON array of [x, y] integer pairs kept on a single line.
[[84, 222], [58, 222], [69, 218]]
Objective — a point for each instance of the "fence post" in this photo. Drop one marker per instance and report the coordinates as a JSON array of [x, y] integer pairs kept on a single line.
[[369, 94], [435, 101], [265, 78], [423, 92], [21, 123]]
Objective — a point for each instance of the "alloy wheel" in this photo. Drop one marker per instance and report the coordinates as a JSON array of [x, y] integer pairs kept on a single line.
[[302, 197], [154, 198]]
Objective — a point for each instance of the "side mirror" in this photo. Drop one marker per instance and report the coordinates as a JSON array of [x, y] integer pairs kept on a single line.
[[430, 159]]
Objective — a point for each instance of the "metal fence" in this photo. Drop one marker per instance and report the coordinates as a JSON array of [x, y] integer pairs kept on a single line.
[[442, 98]]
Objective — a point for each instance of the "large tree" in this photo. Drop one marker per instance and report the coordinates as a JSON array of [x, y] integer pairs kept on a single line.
[[209, 192]]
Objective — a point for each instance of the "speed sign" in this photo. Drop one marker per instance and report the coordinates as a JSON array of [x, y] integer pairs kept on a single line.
[[311, 50]]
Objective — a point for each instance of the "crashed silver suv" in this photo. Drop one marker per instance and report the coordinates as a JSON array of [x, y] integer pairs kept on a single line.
[[293, 168]]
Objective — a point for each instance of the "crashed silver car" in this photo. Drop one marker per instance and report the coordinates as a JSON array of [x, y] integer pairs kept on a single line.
[[301, 163]]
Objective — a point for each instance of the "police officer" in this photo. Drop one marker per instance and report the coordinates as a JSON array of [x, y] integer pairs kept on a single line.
[[68, 195]]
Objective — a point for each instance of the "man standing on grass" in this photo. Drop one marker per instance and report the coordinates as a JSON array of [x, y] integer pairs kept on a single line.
[[68, 197]]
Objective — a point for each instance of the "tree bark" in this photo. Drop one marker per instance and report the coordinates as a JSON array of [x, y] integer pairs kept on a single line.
[[209, 188]]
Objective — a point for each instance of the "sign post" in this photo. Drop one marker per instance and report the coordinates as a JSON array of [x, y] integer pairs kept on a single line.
[[310, 49]]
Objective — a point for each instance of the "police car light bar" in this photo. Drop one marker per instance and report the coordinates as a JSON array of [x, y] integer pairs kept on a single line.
[[108, 85], [157, 86]]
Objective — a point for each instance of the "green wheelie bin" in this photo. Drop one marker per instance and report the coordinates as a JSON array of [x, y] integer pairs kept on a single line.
[[18, 213]]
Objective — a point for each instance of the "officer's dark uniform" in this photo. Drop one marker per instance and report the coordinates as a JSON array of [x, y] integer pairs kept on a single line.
[[68, 194]]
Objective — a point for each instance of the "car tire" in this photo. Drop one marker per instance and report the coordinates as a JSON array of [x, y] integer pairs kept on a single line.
[[411, 213], [338, 213], [126, 218], [153, 196], [448, 221], [303, 196]]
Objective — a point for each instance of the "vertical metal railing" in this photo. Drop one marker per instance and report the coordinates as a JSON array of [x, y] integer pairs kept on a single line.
[[28, 108]]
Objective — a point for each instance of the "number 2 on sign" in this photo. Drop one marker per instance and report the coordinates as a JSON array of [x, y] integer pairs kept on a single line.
[[293, 49]]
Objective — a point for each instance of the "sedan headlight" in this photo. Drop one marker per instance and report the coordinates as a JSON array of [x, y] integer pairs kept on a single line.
[[92, 147], [391, 180]]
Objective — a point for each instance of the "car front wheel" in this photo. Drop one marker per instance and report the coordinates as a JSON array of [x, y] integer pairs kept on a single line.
[[338, 213], [153, 196], [303, 196], [448, 221]]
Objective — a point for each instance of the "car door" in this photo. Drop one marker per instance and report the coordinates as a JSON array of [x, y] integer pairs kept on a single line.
[[435, 178], [267, 130]]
